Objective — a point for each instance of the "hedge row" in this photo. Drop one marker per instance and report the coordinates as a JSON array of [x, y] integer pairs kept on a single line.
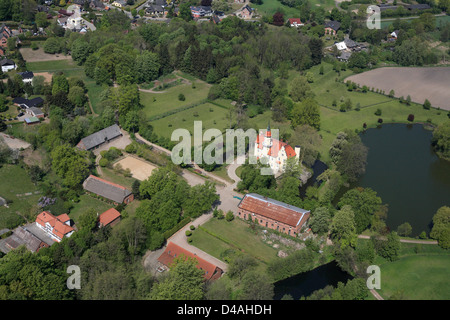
[[179, 225]]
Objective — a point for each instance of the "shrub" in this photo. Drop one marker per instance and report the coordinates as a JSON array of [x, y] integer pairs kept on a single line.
[[380, 121], [188, 233], [410, 117], [427, 104], [229, 216], [378, 112], [103, 162], [192, 227], [181, 97]]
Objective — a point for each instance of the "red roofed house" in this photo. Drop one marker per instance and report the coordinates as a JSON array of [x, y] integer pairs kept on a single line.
[[295, 22], [56, 227], [273, 214], [277, 152], [110, 217], [172, 251]]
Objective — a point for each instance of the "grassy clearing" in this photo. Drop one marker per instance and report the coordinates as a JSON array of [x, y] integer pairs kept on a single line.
[[88, 202], [236, 235], [15, 186], [158, 103], [408, 274], [269, 7], [211, 116]]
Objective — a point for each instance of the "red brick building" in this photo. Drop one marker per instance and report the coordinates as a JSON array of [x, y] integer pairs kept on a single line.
[[109, 218], [273, 214], [212, 272]]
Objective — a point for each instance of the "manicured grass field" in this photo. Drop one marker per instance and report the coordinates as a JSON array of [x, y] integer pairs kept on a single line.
[[211, 116], [236, 235], [15, 186], [418, 277]]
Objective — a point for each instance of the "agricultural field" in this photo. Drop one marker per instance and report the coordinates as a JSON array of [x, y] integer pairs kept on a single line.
[[433, 83]]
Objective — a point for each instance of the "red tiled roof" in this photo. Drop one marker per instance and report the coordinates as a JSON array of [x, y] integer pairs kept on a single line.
[[108, 216], [292, 20], [273, 209], [174, 251], [60, 229], [276, 147]]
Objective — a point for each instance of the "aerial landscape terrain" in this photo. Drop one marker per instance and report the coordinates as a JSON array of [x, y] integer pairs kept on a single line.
[[231, 150]]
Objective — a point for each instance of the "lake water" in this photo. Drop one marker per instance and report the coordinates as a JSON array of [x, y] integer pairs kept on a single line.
[[406, 173], [304, 284]]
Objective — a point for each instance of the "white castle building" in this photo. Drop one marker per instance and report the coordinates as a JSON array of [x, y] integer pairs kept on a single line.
[[277, 152]]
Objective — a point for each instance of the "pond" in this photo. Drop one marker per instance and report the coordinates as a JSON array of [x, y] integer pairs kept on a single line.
[[406, 173], [304, 284]]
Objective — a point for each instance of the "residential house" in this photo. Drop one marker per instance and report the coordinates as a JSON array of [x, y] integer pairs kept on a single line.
[[295, 22], [247, 12], [109, 218], [35, 112], [7, 65], [155, 9], [332, 27], [201, 11], [393, 35], [273, 214], [99, 138], [56, 227], [25, 103], [341, 46], [63, 12], [5, 34], [344, 56], [97, 4], [173, 251], [119, 3], [109, 190], [275, 151], [27, 76]]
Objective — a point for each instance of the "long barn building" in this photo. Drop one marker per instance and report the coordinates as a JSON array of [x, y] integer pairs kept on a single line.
[[273, 214]]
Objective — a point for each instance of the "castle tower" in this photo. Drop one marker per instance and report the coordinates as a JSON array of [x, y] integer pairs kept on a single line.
[[268, 137]]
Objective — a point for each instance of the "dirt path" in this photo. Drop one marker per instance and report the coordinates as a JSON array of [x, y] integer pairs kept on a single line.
[[406, 240]]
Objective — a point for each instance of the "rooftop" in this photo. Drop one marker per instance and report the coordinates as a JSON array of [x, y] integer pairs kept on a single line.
[[99, 137], [274, 209], [106, 189]]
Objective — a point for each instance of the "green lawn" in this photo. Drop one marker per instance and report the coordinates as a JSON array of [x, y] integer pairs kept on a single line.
[[211, 116], [231, 235], [15, 186], [88, 202], [167, 100], [417, 277]]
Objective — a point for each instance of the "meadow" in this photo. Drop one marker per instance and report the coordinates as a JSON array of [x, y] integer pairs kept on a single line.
[[421, 273], [269, 7], [22, 193]]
